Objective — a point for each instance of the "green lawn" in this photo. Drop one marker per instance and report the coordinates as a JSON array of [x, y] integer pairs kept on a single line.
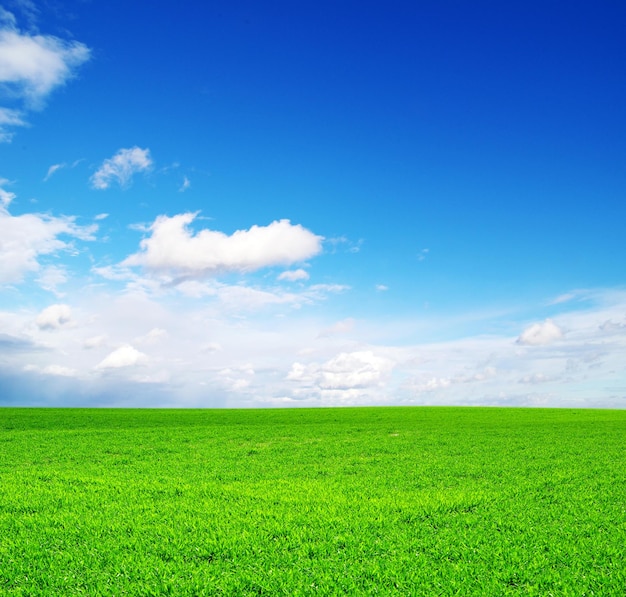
[[367, 501]]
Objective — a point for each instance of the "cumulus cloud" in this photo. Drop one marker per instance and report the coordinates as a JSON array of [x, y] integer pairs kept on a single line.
[[353, 370], [35, 64], [121, 167], [31, 67], [23, 239], [54, 317], [124, 356], [173, 248], [294, 275], [249, 361], [237, 379], [540, 334], [345, 371]]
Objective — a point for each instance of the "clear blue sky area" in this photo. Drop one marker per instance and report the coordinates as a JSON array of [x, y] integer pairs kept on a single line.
[[312, 203]]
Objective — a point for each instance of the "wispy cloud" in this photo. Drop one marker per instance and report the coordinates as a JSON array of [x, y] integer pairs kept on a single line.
[[5, 196], [294, 275], [185, 185], [25, 238], [52, 170], [341, 327], [121, 168], [9, 119], [51, 277]]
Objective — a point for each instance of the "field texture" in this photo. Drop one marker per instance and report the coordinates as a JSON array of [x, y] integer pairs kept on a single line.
[[378, 501]]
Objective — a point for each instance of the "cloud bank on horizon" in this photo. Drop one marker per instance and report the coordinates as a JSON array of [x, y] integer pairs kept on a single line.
[[253, 234]]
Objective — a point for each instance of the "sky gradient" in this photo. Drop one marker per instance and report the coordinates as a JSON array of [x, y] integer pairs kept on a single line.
[[312, 203]]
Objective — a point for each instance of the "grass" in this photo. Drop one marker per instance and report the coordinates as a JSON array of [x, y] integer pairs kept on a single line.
[[367, 501]]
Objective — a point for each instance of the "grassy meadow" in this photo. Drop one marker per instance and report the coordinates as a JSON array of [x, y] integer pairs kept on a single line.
[[359, 501]]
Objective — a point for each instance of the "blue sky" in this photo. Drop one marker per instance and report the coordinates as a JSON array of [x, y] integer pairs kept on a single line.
[[312, 203]]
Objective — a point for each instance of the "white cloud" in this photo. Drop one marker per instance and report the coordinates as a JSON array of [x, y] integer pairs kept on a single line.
[[9, 118], [54, 317], [5, 196], [111, 272], [197, 289], [59, 370], [345, 371], [124, 356], [237, 298], [185, 185], [52, 170], [7, 18], [563, 298], [336, 288], [611, 327], [102, 216], [174, 248], [23, 239], [27, 8], [434, 383], [421, 256], [31, 67], [51, 277], [94, 342], [211, 347], [535, 378], [539, 334], [36, 64], [154, 336], [237, 379], [241, 359], [294, 275], [121, 167], [382, 287], [354, 370], [341, 327]]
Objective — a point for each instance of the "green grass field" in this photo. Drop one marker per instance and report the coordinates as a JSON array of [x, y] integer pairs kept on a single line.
[[364, 501]]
